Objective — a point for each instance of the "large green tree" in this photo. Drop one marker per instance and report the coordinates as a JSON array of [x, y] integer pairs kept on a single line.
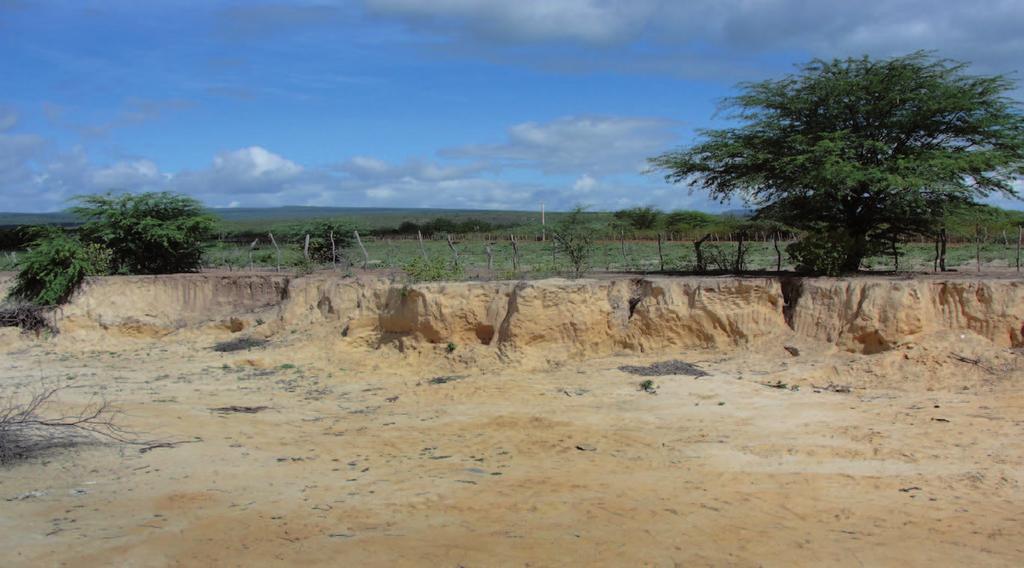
[[147, 233], [865, 150]]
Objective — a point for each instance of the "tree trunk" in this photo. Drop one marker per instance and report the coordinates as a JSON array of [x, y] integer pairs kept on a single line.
[[943, 239], [699, 253], [737, 265], [661, 256], [778, 253], [856, 253]]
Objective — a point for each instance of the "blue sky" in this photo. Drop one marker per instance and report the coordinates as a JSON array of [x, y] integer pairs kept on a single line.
[[415, 103]]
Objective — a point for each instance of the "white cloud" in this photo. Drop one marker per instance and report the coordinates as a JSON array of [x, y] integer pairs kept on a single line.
[[132, 174], [584, 184], [595, 21], [576, 144], [986, 32], [255, 162]]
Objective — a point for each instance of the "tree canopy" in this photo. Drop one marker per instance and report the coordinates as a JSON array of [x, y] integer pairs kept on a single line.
[[147, 233], [868, 149]]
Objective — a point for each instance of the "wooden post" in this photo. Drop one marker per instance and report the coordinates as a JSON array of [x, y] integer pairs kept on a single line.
[[943, 238], [1020, 237], [977, 246], [622, 245], [661, 256], [490, 256], [455, 253], [543, 225], [251, 248], [334, 252], [935, 263], [778, 253], [423, 249], [278, 249], [515, 253], [738, 265], [305, 248], [366, 256]]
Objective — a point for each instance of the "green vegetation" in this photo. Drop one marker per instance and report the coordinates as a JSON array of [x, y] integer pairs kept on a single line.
[[147, 233], [431, 269], [52, 269], [575, 237], [326, 237], [865, 151]]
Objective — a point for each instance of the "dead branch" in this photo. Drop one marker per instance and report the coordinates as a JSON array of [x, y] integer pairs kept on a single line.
[[38, 424]]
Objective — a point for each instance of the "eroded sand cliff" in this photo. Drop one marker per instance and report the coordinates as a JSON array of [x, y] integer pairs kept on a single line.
[[573, 318]]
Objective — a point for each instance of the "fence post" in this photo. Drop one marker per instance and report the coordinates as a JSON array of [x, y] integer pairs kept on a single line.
[[622, 244], [278, 249], [305, 248], [251, 248], [778, 253], [455, 253], [661, 256], [943, 239], [423, 249], [515, 253], [490, 257], [334, 252], [1020, 236], [366, 256]]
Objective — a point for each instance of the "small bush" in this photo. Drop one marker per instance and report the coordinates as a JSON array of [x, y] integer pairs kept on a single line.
[[240, 344], [320, 232], [820, 253], [575, 238], [55, 265], [434, 269]]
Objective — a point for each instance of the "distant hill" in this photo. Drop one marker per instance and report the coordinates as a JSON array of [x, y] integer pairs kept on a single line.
[[368, 216]]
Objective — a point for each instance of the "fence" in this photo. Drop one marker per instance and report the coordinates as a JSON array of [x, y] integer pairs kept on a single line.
[[530, 255]]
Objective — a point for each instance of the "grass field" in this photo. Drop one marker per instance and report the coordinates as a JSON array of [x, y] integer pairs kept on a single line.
[[539, 259]]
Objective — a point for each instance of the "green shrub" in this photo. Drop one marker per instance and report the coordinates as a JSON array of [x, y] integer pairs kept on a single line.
[[431, 270], [820, 253], [147, 233], [320, 231], [575, 237], [55, 265]]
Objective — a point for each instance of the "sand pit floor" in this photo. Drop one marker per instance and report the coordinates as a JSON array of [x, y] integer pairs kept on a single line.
[[354, 462]]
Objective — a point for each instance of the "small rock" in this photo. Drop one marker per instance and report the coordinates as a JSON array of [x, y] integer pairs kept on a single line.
[[793, 350], [585, 448]]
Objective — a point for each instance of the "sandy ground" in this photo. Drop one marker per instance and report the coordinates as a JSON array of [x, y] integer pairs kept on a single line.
[[361, 461]]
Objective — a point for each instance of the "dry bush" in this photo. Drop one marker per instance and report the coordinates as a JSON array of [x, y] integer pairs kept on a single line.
[[29, 317], [39, 423]]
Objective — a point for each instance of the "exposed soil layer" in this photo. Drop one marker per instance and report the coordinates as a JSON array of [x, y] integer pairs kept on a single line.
[[841, 422]]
